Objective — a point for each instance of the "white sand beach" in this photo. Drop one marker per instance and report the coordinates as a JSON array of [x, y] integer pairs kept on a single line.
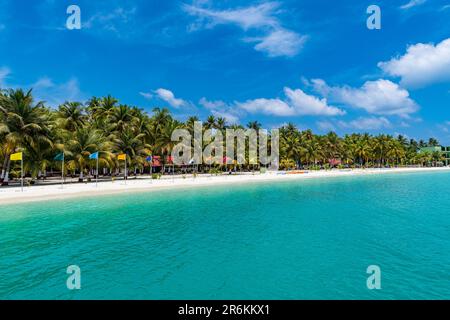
[[13, 195]]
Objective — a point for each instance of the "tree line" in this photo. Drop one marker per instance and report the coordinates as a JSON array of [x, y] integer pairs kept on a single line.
[[104, 124]]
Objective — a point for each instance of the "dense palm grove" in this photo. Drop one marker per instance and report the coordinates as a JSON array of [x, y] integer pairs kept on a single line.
[[105, 125]]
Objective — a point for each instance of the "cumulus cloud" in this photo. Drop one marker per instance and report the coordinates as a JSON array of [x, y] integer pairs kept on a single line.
[[421, 65], [221, 109], [275, 40], [380, 97], [412, 3], [305, 104], [45, 89], [274, 107], [54, 94], [211, 105], [167, 96], [297, 103]]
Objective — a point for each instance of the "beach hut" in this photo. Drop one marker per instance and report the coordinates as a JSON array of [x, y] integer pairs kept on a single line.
[[156, 162], [169, 161]]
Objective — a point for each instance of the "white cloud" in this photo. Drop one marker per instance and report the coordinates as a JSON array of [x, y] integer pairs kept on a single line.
[[4, 73], [412, 3], [169, 97], [279, 42], [369, 123], [211, 105], [325, 126], [359, 124], [119, 21], [45, 89], [443, 127], [230, 118], [258, 16], [297, 103], [275, 107], [146, 95], [305, 104], [221, 109], [381, 97], [421, 65], [55, 94], [275, 40]]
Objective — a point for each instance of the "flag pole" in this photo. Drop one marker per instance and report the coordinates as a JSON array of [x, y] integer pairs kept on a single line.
[[62, 172], [96, 174], [125, 173], [21, 172]]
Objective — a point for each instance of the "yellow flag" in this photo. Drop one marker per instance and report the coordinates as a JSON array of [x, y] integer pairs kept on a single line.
[[122, 156], [16, 156]]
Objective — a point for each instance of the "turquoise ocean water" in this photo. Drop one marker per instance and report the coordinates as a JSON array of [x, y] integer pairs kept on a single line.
[[284, 240]]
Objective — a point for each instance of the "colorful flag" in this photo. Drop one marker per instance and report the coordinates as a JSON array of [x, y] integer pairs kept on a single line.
[[59, 157], [94, 155], [16, 156], [122, 156]]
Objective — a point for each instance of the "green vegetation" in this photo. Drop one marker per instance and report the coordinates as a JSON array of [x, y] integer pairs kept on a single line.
[[352, 150], [105, 125]]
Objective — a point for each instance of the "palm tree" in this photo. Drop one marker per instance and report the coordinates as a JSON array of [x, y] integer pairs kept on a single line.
[[132, 144], [255, 125], [102, 107], [25, 124], [71, 116], [210, 122], [120, 117], [432, 142], [164, 143], [221, 124], [107, 126], [84, 142], [363, 150]]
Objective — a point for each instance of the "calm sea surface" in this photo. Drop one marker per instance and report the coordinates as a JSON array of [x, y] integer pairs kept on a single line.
[[284, 240]]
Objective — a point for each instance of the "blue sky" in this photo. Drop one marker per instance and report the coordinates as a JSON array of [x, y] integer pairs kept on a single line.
[[309, 62]]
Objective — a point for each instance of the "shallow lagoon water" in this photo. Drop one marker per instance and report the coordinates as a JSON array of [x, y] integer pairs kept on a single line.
[[304, 239]]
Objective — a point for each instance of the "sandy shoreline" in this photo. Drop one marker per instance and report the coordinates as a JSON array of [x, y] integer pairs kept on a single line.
[[55, 192]]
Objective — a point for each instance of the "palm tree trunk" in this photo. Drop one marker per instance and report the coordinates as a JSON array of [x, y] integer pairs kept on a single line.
[[5, 163], [6, 177]]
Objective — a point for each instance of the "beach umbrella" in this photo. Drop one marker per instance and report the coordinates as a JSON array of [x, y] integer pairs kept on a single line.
[[95, 156], [19, 157]]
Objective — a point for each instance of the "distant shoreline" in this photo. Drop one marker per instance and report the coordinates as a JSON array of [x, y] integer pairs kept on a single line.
[[31, 194]]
